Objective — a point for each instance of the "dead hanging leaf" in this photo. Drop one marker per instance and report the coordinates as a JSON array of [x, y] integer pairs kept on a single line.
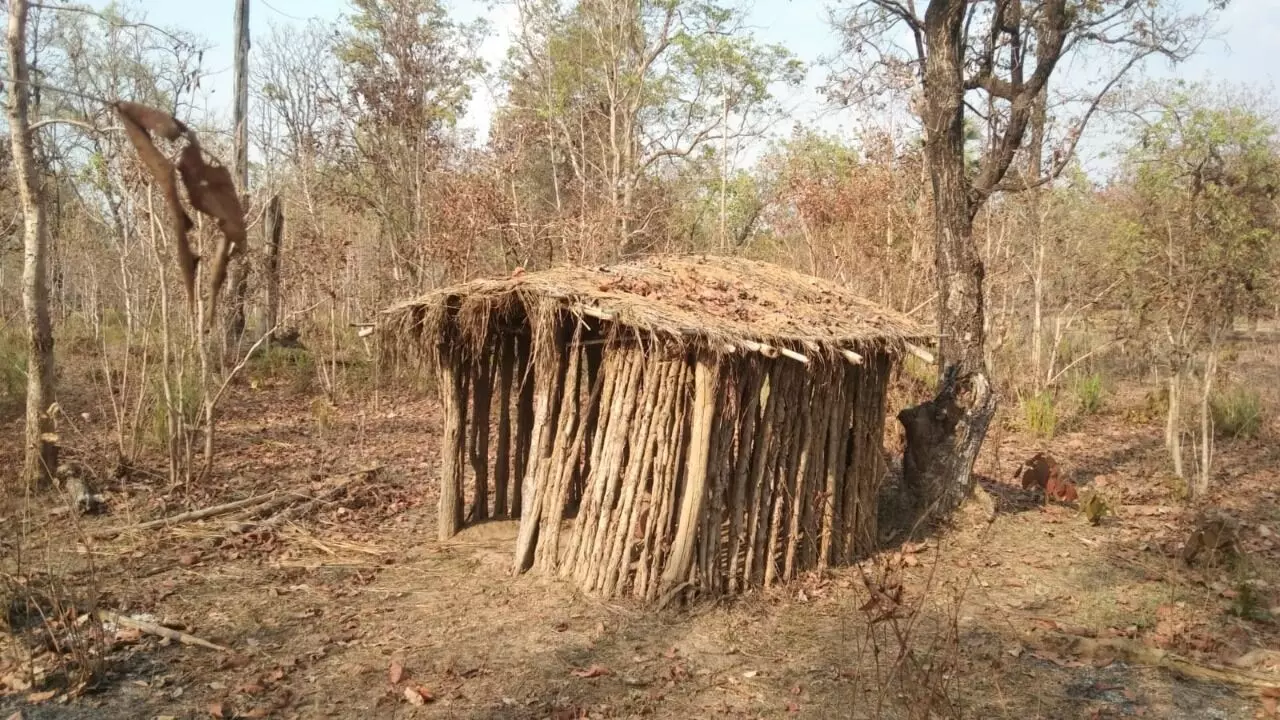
[[395, 673], [591, 672], [213, 193], [152, 120], [139, 122]]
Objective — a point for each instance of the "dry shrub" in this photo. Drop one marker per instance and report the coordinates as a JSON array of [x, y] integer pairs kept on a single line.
[[58, 640], [909, 651]]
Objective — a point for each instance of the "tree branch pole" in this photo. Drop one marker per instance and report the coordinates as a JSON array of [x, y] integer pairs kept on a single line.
[[40, 459]]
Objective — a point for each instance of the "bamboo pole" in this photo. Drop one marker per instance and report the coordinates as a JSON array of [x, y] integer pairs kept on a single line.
[[785, 473], [565, 460], [545, 425], [833, 469], [452, 445], [612, 459], [760, 493], [667, 481], [748, 441], [711, 570], [848, 490], [502, 463], [639, 469], [702, 425], [800, 500], [482, 402], [525, 418], [610, 373]]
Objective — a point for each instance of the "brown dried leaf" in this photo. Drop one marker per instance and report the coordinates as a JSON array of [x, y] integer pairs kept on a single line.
[[151, 120], [591, 672], [395, 673], [414, 697], [39, 697], [139, 121], [213, 193], [217, 710]]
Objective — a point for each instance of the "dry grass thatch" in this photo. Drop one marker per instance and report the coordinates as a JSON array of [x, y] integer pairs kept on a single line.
[[707, 424], [720, 303]]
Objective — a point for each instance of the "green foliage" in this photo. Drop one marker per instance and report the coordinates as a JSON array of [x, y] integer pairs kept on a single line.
[[186, 397], [1248, 603], [1095, 507], [1237, 412], [920, 372], [1089, 392], [1202, 175], [13, 368], [294, 366], [1040, 413]]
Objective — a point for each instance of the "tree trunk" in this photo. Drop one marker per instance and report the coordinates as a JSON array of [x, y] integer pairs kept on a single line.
[[271, 262], [41, 450], [944, 434], [1173, 424], [238, 275], [1206, 421]]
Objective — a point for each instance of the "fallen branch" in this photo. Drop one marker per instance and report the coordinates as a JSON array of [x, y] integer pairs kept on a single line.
[[1136, 653], [306, 507], [158, 630], [201, 514]]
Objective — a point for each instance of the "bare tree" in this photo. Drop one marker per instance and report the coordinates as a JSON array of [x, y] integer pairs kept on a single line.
[[41, 456], [991, 60]]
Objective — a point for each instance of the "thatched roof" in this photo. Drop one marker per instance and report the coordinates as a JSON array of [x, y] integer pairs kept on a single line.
[[721, 303]]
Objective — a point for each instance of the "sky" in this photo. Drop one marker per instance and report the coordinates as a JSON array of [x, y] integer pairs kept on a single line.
[[1242, 49]]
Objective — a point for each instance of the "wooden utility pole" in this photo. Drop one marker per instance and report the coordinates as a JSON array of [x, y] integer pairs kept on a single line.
[[242, 95], [239, 275], [41, 450]]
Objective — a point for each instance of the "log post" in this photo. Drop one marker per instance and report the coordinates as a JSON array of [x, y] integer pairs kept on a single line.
[[524, 420], [502, 464], [479, 445], [453, 444], [702, 424]]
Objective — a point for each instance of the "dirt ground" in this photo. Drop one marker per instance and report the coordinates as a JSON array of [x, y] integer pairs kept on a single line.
[[357, 611]]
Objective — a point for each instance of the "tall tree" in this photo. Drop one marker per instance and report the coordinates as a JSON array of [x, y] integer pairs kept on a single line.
[[41, 450], [238, 281], [408, 69], [1203, 176], [991, 60], [611, 93]]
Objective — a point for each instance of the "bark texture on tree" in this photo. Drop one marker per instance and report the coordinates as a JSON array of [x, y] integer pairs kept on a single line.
[[238, 276], [944, 434], [271, 261], [41, 450]]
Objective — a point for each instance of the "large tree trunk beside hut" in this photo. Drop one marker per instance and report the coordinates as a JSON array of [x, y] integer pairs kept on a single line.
[[944, 434]]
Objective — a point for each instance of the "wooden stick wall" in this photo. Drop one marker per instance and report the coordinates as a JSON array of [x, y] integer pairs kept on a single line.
[[662, 473]]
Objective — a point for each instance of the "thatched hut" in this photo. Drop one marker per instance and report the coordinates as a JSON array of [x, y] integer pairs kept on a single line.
[[680, 425]]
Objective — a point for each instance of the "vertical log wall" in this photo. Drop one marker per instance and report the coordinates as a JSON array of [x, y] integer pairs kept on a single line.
[[679, 472]]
